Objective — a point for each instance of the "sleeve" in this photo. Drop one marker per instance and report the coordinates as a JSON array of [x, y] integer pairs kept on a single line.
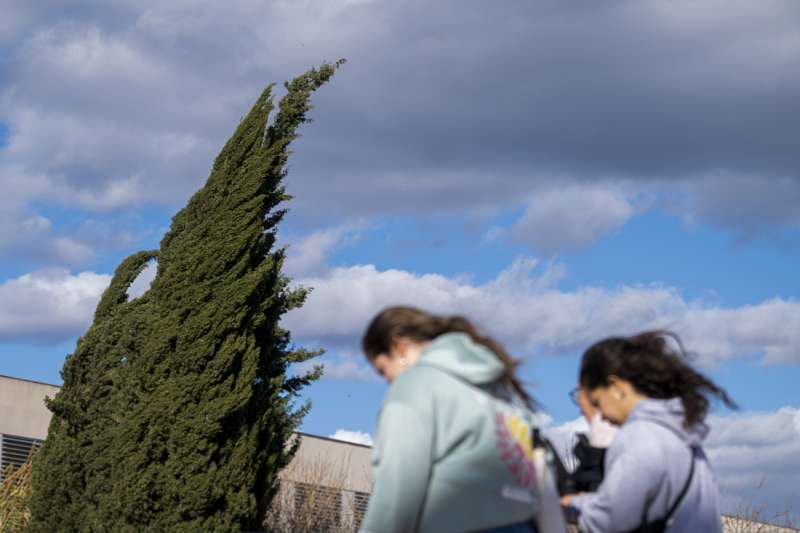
[[549, 516], [401, 466], [621, 499]]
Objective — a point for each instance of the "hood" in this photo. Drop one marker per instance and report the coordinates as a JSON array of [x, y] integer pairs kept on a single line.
[[668, 413], [458, 354]]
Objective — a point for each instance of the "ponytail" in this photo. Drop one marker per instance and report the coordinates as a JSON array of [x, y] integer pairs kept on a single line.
[[655, 369], [420, 326]]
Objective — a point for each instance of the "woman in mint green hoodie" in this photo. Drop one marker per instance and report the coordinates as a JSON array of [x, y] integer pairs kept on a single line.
[[453, 450]]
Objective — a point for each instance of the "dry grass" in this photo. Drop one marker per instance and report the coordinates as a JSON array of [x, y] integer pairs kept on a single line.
[[753, 515], [15, 493], [313, 499]]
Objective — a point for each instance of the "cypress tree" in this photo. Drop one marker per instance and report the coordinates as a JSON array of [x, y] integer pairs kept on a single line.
[[177, 407]]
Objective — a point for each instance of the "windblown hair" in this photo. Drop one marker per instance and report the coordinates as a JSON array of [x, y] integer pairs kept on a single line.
[[420, 326], [655, 369]]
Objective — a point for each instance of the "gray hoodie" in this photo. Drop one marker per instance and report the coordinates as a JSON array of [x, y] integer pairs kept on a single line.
[[646, 468], [450, 456]]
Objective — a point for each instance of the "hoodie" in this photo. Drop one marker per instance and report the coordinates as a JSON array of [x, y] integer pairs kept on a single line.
[[646, 467], [451, 454]]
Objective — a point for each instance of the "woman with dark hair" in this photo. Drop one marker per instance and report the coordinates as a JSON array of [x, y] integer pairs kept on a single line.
[[453, 450], [657, 477]]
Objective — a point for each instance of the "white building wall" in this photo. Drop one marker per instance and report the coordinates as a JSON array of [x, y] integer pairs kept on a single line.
[[319, 460], [22, 409]]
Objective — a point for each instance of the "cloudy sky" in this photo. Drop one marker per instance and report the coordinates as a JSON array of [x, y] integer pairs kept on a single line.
[[558, 171]]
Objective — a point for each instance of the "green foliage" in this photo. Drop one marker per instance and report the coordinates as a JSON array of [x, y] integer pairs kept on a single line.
[[176, 408]]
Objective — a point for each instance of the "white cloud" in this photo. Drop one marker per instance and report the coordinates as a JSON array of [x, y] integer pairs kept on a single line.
[[344, 366], [29, 235], [749, 204], [358, 437], [26, 236], [125, 103], [524, 309], [571, 217], [348, 368], [309, 255], [757, 447], [142, 282], [99, 163], [103, 118], [49, 305]]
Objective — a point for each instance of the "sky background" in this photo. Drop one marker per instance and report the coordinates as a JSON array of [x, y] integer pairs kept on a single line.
[[557, 171]]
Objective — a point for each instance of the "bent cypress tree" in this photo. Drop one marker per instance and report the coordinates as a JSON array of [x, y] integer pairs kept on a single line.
[[177, 409]]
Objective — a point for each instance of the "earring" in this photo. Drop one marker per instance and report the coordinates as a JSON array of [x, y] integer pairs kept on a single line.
[[403, 361]]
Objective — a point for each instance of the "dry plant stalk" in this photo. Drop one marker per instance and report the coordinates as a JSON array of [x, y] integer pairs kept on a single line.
[[313, 498], [752, 515], [15, 493]]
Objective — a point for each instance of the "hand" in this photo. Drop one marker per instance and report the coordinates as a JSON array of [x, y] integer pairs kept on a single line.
[[566, 500]]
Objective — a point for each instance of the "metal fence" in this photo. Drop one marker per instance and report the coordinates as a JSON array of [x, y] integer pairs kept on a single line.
[[15, 451]]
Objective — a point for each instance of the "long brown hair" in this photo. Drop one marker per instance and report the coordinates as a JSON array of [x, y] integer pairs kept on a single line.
[[655, 369], [421, 326]]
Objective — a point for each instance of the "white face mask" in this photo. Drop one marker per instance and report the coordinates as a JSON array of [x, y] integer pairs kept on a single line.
[[601, 431]]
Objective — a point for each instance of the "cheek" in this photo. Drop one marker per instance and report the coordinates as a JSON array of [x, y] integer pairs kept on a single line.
[[380, 364], [386, 368], [610, 409]]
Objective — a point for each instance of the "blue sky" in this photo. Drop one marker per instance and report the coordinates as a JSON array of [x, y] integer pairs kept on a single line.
[[556, 172]]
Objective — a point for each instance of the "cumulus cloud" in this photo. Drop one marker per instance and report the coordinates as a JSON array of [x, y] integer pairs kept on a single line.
[[745, 203], [309, 255], [347, 368], [31, 237], [358, 437], [525, 308], [49, 305], [571, 217], [27, 235], [758, 452], [125, 103], [143, 281], [342, 366]]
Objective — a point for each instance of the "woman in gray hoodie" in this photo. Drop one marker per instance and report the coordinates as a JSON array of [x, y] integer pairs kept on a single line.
[[657, 477]]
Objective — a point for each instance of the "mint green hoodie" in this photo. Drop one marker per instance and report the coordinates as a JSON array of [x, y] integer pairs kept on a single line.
[[452, 457]]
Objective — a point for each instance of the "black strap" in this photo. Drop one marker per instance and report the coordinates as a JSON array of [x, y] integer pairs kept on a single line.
[[685, 488], [661, 524], [562, 476]]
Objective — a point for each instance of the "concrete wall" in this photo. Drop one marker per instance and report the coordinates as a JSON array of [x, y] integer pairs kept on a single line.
[[22, 409], [331, 463]]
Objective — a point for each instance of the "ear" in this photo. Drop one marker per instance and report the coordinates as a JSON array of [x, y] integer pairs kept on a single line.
[[622, 386], [398, 346]]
